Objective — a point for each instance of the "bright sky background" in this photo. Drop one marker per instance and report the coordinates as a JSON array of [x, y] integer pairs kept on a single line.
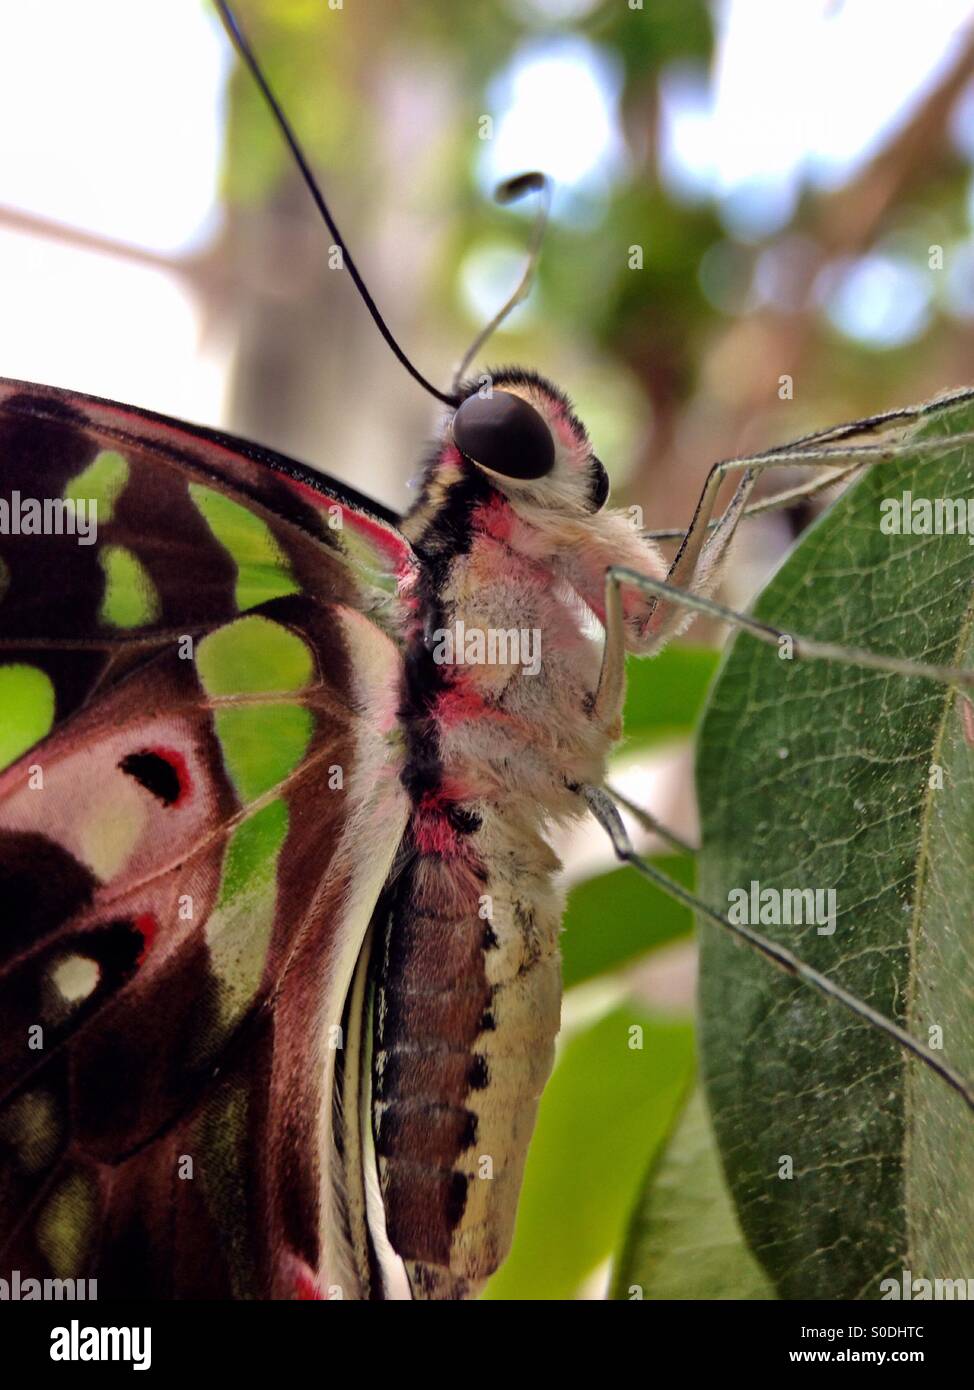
[[111, 122], [834, 75], [559, 112], [111, 116]]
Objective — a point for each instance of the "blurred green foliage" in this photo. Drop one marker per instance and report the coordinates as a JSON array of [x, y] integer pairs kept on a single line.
[[614, 918], [684, 1240], [609, 1105], [664, 696]]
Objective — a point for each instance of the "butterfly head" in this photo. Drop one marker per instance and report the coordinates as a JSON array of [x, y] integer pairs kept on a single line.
[[520, 431]]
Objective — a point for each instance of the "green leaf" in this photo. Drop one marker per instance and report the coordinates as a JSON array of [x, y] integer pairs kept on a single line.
[[665, 696], [684, 1240], [617, 917], [607, 1108], [816, 775]]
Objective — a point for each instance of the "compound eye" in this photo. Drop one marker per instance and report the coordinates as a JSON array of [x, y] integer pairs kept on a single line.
[[505, 434], [600, 484]]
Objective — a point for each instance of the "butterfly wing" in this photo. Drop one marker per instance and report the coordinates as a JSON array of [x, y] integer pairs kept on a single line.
[[199, 806]]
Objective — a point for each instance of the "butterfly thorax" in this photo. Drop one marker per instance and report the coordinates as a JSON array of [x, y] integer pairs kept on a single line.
[[504, 657]]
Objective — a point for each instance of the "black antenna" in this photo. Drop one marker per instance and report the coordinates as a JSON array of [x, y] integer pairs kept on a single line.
[[246, 52], [509, 192]]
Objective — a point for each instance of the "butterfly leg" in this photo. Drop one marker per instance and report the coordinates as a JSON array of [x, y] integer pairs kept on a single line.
[[698, 563], [776, 502], [698, 556], [903, 420], [791, 646], [705, 545], [649, 822], [600, 804], [903, 416]]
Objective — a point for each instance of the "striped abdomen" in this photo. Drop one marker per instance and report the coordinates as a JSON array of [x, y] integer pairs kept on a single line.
[[466, 1008]]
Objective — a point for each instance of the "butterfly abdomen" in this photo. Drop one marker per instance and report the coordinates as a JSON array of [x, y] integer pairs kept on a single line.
[[467, 986]]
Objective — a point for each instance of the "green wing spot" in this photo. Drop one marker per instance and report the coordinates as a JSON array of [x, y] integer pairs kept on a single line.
[[251, 860], [31, 1127], [220, 1136], [26, 710], [253, 656], [101, 482], [261, 744], [130, 598], [239, 930], [263, 571], [66, 1225]]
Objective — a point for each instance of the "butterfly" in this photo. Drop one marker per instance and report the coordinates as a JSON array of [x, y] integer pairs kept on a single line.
[[280, 953]]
